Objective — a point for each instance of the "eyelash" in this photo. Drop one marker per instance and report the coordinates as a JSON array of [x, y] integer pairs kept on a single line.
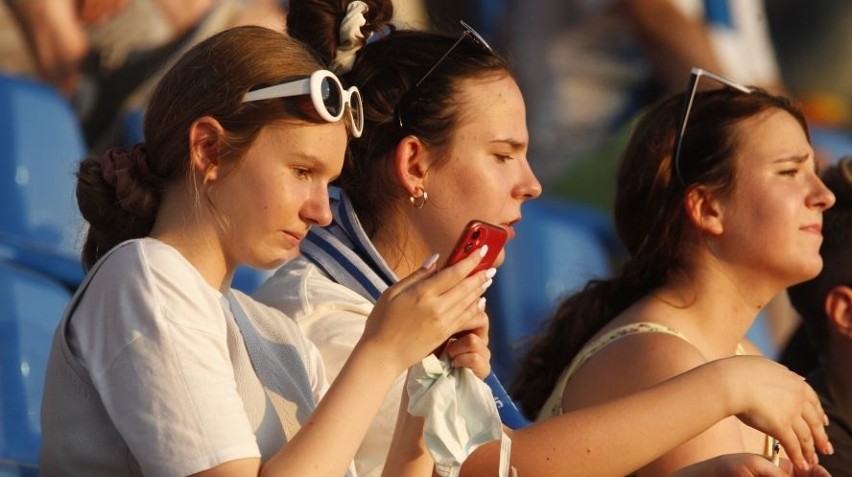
[[503, 157], [302, 173], [789, 172]]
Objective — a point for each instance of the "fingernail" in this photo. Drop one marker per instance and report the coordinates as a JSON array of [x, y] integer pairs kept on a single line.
[[487, 284], [829, 449], [491, 272], [825, 419], [483, 250], [481, 304], [431, 260]]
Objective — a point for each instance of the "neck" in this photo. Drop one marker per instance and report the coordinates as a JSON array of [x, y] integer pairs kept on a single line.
[[399, 244], [719, 303], [191, 230]]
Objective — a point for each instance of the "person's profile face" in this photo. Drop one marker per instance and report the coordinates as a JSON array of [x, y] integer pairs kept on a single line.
[[280, 190], [484, 173], [772, 219]]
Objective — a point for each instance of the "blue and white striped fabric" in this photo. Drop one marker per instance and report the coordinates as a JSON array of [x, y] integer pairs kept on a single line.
[[346, 255]]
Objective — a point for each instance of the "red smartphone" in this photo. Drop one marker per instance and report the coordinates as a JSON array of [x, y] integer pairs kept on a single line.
[[476, 234]]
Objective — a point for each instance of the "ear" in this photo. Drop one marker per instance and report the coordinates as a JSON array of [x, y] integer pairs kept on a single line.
[[411, 163], [205, 136], [704, 210], [838, 308]]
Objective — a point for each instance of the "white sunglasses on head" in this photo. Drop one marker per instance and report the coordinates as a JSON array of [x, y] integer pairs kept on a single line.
[[327, 95]]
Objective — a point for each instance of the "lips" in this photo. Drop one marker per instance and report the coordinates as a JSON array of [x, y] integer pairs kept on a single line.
[[510, 229], [815, 229], [294, 237]]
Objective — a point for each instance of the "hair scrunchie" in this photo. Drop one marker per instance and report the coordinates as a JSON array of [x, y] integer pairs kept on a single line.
[[351, 38], [121, 168]]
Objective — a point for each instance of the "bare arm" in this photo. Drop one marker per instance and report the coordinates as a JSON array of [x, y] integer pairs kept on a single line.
[[623, 435], [673, 42], [410, 319], [746, 465]]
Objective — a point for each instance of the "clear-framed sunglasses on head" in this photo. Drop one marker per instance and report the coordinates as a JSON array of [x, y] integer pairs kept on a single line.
[[688, 99], [467, 32], [328, 97]]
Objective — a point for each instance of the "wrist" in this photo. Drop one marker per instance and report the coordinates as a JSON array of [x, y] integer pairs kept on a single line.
[[721, 378], [382, 361]]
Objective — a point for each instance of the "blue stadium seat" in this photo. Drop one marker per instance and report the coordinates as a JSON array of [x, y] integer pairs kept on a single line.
[[32, 307], [133, 127], [557, 249], [40, 146]]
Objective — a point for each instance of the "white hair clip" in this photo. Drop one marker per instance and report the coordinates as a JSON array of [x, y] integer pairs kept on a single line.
[[351, 38]]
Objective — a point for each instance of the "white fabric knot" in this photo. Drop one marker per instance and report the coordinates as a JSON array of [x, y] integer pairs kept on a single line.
[[460, 414], [351, 38]]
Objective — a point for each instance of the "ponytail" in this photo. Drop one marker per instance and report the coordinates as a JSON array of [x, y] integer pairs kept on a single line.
[[575, 322], [119, 196]]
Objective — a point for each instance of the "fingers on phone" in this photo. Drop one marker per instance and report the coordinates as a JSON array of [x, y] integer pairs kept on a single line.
[[430, 261], [426, 270], [467, 264]]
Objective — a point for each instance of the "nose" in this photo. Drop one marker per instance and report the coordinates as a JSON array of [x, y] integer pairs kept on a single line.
[[528, 186], [821, 197], [316, 210]]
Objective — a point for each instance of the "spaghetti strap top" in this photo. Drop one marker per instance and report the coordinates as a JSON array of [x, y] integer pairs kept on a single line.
[[553, 406]]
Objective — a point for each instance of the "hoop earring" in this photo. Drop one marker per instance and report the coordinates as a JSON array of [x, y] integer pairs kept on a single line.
[[418, 201]]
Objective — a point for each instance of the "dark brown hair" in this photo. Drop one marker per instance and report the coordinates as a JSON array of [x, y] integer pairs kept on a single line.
[[650, 220], [209, 80], [808, 298], [384, 70]]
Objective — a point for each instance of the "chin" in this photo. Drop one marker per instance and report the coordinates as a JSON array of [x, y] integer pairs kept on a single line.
[[273, 262], [809, 270], [500, 258]]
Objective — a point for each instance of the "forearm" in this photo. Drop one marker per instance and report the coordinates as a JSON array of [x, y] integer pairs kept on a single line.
[[56, 40], [328, 440], [672, 41], [616, 437], [408, 456]]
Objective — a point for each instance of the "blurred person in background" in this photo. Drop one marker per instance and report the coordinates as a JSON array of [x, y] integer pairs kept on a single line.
[[97, 53], [825, 304]]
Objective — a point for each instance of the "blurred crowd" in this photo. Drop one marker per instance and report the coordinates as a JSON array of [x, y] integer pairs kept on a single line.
[[596, 80]]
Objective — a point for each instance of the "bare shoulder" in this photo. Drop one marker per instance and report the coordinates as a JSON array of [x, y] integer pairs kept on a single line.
[[630, 364]]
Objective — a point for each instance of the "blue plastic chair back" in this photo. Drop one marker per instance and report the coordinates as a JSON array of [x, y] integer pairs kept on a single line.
[[133, 127], [32, 307], [40, 147], [558, 248]]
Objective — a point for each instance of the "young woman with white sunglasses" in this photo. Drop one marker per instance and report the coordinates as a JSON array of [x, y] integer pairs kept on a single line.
[[159, 367]]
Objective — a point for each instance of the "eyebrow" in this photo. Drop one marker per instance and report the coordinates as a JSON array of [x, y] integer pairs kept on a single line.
[[514, 143], [797, 159]]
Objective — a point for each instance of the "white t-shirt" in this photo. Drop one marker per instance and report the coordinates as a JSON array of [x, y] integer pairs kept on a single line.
[[333, 317], [150, 374]]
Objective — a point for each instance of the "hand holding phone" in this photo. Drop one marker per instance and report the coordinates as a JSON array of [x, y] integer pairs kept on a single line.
[[476, 234]]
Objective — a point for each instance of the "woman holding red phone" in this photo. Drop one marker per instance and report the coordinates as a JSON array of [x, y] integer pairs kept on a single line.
[[158, 367], [445, 142]]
